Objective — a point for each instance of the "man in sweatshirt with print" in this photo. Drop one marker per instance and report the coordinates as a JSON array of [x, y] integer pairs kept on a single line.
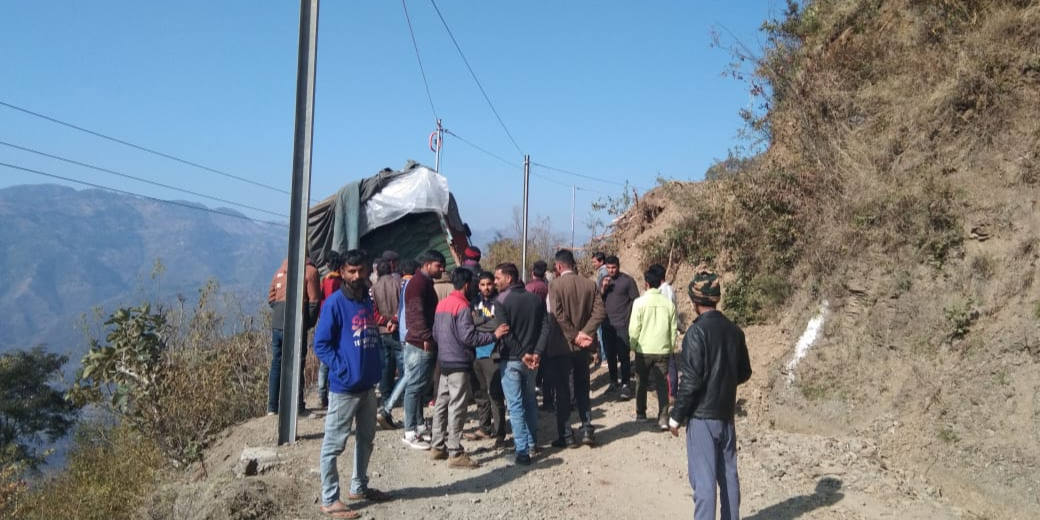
[[347, 340]]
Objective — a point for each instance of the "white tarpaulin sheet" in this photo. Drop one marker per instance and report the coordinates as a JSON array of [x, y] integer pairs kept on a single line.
[[417, 191]]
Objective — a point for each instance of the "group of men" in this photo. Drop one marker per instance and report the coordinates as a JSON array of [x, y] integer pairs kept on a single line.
[[490, 338]]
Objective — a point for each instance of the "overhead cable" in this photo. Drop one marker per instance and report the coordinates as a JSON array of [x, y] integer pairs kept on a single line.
[[142, 148], [124, 192], [418, 58], [139, 179], [477, 81], [482, 149], [583, 176]]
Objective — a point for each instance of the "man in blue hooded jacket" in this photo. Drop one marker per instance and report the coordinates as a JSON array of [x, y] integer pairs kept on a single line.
[[347, 341]]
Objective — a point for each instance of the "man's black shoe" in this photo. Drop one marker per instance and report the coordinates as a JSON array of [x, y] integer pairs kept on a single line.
[[589, 439], [385, 420], [523, 459], [564, 443]]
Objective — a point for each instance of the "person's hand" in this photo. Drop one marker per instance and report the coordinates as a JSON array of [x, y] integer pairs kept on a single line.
[[427, 345], [391, 327], [501, 330], [583, 340], [532, 361], [673, 427]]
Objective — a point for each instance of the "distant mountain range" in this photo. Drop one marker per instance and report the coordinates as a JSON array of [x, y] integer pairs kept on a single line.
[[63, 251]]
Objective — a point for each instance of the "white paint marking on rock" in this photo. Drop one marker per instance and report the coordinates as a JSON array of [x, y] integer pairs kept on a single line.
[[812, 331]]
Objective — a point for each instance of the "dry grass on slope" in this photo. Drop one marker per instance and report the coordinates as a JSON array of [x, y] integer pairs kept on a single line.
[[901, 185]]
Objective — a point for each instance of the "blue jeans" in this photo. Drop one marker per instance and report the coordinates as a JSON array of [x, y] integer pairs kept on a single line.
[[418, 368], [345, 409], [711, 457], [323, 381], [393, 359], [518, 386], [274, 376]]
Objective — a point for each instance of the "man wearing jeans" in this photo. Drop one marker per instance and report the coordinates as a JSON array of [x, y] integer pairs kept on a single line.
[[276, 299], [347, 340], [420, 349], [385, 417], [386, 295], [652, 333], [527, 319], [714, 360]]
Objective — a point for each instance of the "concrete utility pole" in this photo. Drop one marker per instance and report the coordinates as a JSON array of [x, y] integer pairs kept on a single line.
[[523, 244], [289, 389]]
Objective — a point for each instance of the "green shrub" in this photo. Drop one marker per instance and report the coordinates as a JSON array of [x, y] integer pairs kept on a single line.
[[755, 301], [178, 385]]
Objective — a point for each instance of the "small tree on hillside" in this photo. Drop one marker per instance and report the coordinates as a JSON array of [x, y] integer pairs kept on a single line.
[[32, 411]]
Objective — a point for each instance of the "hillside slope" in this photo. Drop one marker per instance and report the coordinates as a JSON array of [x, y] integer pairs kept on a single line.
[[900, 187], [66, 251]]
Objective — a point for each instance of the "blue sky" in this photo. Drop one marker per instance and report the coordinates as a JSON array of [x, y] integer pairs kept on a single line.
[[615, 90]]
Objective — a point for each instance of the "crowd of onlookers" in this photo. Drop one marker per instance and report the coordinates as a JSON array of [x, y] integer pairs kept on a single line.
[[426, 337]]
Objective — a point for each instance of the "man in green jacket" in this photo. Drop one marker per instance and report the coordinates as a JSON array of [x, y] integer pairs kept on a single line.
[[652, 334]]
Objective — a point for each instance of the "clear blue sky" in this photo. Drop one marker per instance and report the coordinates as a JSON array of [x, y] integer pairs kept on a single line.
[[616, 90]]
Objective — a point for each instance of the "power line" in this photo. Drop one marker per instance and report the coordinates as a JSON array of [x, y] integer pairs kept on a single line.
[[124, 192], [481, 149], [139, 179], [419, 59], [583, 176], [474, 75], [142, 148], [515, 165]]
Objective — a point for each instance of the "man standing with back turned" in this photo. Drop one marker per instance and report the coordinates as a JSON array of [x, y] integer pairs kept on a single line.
[[714, 360]]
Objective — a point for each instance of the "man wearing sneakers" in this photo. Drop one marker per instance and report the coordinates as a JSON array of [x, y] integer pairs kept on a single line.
[[619, 291], [456, 340], [652, 333], [420, 349], [347, 340], [385, 417]]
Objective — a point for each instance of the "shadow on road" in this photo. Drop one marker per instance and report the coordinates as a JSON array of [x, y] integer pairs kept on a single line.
[[485, 480], [828, 492]]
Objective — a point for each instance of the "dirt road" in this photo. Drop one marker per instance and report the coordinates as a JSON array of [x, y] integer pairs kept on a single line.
[[637, 471]]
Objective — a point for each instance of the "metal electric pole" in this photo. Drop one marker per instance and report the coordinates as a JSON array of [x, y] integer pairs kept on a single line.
[[523, 244], [437, 146], [295, 328], [574, 190]]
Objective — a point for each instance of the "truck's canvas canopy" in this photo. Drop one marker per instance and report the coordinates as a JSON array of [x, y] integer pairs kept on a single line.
[[409, 211]]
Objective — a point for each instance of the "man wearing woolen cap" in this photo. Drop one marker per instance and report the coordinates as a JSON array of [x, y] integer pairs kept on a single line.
[[714, 360]]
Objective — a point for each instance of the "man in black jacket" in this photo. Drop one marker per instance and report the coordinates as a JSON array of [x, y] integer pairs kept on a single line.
[[714, 360], [526, 316]]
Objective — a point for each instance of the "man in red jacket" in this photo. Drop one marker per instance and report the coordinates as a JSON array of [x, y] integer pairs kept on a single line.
[[457, 339]]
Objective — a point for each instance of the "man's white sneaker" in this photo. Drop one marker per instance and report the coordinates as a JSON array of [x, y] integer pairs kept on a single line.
[[415, 442]]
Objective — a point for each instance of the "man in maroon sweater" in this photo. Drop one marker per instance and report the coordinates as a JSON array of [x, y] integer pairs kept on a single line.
[[420, 348]]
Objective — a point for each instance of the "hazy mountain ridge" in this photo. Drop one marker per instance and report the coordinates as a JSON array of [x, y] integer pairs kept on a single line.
[[65, 251]]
